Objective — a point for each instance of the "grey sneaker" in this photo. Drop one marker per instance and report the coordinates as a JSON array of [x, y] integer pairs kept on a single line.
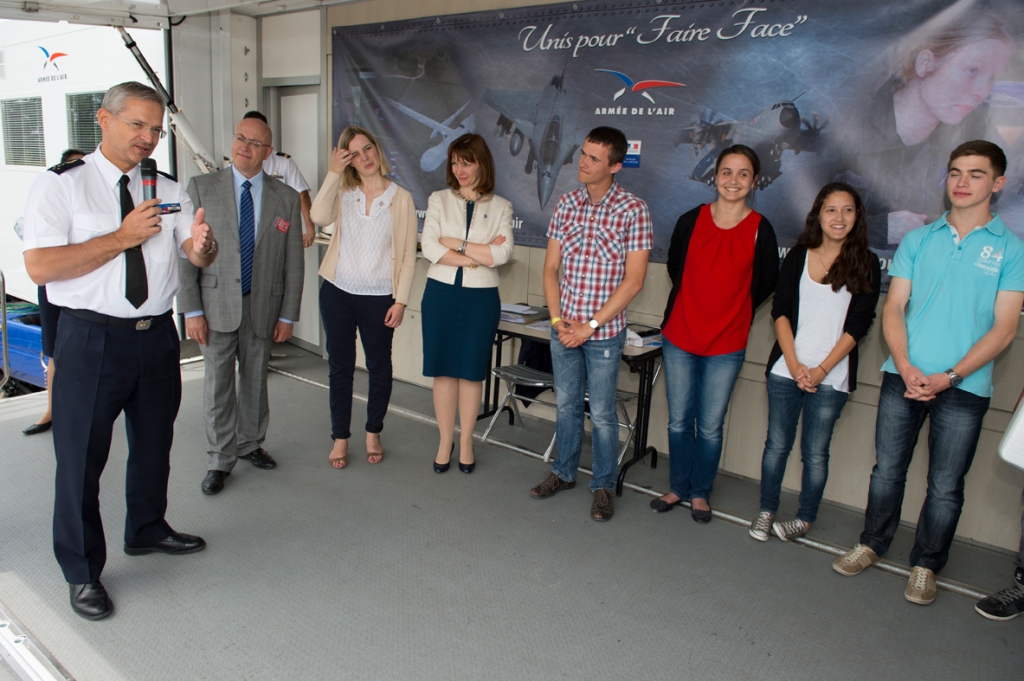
[[855, 561], [790, 530], [550, 485], [920, 586], [761, 526], [602, 509], [1004, 605]]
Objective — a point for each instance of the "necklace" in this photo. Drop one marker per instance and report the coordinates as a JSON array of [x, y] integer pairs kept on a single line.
[[822, 261]]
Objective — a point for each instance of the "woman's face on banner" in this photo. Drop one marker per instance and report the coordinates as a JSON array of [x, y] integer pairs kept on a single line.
[[954, 86]]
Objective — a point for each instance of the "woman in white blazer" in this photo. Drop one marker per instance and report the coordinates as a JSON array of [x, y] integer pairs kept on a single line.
[[467, 235]]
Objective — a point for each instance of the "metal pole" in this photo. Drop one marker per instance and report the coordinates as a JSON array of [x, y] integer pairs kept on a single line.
[[3, 331]]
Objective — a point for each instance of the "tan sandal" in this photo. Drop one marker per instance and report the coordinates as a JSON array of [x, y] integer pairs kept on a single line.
[[338, 462], [379, 455]]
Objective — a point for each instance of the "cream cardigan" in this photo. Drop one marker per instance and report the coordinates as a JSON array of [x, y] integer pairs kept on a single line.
[[326, 209], [446, 216]]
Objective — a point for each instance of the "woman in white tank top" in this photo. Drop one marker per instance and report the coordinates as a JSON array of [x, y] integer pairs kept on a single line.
[[824, 304]]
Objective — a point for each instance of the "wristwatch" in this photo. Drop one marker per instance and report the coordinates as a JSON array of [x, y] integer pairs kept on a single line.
[[593, 324], [955, 379], [213, 248]]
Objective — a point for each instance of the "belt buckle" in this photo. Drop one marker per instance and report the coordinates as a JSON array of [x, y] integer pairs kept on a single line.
[[143, 324]]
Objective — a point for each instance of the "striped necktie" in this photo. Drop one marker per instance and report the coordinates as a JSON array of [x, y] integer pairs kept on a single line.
[[246, 235]]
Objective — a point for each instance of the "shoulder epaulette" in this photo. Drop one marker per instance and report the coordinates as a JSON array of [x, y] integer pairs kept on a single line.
[[64, 167], [281, 153], [170, 177]]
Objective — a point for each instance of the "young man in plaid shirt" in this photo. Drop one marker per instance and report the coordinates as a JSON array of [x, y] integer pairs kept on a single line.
[[602, 235]]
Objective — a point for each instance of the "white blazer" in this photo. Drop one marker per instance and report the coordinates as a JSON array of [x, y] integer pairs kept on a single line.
[[446, 216]]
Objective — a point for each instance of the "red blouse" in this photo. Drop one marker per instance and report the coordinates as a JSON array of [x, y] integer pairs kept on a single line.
[[712, 312]]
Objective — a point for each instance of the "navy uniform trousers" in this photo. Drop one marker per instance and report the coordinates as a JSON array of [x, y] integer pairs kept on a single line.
[[106, 370]]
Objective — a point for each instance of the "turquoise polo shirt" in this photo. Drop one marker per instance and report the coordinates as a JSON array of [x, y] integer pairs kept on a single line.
[[953, 293]]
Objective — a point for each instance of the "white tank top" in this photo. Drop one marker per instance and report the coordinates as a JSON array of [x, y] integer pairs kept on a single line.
[[820, 323]]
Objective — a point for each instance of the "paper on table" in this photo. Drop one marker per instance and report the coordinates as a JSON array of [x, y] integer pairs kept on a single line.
[[517, 309], [542, 325]]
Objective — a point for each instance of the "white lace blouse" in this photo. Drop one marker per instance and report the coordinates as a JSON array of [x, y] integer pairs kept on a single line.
[[364, 256]]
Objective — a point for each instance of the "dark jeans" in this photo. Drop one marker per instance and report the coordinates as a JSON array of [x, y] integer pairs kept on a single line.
[[342, 314], [956, 417], [821, 411]]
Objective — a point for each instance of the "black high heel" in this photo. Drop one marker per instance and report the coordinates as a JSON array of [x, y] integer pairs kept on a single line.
[[467, 467], [443, 467]]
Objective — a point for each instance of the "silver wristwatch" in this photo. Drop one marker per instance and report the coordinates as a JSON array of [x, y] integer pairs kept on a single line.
[[955, 379]]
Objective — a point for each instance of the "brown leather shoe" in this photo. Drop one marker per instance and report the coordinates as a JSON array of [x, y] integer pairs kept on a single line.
[[602, 509], [549, 486]]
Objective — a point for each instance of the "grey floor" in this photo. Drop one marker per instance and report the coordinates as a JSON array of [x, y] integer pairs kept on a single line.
[[392, 571]]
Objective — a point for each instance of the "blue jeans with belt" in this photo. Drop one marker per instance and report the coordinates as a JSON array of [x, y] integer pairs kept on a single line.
[[698, 390], [821, 411], [592, 367], [955, 417]]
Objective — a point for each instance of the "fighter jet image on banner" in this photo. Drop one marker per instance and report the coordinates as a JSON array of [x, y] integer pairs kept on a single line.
[[435, 157], [769, 133], [546, 121]]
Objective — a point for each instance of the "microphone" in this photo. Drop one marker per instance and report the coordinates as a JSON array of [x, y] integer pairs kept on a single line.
[[148, 169]]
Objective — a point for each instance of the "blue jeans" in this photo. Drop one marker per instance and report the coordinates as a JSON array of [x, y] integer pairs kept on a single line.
[[821, 411], [952, 440], [594, 366], [698, 391]]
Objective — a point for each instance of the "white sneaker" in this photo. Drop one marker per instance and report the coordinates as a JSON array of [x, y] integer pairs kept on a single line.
[[761, 526], [790, 530]]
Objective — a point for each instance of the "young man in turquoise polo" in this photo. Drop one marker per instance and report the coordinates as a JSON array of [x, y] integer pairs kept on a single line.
[[952, 307]]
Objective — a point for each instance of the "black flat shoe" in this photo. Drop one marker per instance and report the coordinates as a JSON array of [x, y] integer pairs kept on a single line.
[[443, 467], [662, 506], [467, 467], [37, 428], [90, 600], [702, 517], [176, 543]]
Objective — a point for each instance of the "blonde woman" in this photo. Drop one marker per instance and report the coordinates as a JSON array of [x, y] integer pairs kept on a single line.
[[467, 233], [367, 271]]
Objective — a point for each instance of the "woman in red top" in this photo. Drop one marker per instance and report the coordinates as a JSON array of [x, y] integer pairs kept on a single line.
[[723, 262]]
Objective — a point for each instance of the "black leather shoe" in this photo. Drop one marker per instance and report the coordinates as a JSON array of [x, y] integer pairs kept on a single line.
[[176, 543], [662, 506], [260, 459], [467, 467], [214, 481], [90, 600], [37, 428]]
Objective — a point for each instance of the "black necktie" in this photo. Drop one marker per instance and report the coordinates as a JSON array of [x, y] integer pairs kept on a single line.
[[136, 288]]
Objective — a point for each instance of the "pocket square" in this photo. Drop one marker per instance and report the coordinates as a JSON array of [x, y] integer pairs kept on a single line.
[[282, 225]]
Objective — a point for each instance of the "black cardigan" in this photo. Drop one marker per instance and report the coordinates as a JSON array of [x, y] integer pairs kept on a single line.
[[766, 260], [859, 315]]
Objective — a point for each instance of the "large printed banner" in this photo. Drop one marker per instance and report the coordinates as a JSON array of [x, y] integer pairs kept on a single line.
[[875, 92]]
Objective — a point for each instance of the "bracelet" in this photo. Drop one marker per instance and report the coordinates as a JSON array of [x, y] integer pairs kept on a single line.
[[462, 249], [823, 369], [555, 320]]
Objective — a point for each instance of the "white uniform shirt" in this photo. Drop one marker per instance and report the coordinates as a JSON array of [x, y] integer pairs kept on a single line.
[[283, 168], [83, 203]]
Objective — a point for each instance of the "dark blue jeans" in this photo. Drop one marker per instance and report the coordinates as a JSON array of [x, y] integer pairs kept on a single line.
[[591, 368], [952, 440], [342, 314], [821, 410], [698, 391]]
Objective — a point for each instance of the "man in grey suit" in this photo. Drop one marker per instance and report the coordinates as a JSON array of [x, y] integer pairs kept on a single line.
[[247, 300]]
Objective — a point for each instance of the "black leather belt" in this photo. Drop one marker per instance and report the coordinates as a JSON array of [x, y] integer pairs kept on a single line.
[[137, 323]]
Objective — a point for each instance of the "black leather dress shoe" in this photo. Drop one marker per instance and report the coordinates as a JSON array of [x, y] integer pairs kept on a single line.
[[260, 459], [90, 600], [37, 428], [213, 482], [175, 543]]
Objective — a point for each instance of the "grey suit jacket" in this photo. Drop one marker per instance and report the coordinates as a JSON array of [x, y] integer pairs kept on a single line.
[[278, 261]]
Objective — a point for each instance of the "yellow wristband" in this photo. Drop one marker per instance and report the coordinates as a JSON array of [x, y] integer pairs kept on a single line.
[[555, 320]]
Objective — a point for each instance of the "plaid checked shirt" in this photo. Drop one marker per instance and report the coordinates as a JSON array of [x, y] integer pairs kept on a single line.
[[595, 238]]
